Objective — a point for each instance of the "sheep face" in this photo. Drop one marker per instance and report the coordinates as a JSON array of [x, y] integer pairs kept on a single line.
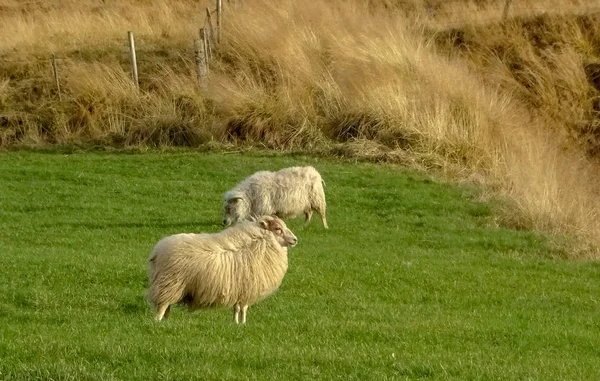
[[284, 236], [235, 208]]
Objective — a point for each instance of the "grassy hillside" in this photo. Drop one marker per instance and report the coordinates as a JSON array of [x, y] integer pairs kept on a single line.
[[410, 281], [444, 86]]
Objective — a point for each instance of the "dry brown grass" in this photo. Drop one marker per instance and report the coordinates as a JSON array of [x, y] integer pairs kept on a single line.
[[439, 85]]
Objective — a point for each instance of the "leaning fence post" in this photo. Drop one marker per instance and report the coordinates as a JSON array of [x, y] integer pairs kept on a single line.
[[208, 44], [210, 32], [134, 69], [56, 80], [205, 38], [201, 59], [219, 20], [506, 9]]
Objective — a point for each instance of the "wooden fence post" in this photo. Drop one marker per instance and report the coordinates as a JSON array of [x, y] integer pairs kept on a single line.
[[134, 69], [208, 43], [205, 37], [219, 20], [506, 9], [201, 59], [56, 80], [209, 32]]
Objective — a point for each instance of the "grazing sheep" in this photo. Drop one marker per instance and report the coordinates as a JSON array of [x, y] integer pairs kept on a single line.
[[285, 193], [236, 267]]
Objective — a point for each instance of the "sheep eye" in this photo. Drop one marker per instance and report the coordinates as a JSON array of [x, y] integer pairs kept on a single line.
[[278, 231]]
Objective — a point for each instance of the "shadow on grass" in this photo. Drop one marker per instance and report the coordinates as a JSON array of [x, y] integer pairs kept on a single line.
[[134, 308]]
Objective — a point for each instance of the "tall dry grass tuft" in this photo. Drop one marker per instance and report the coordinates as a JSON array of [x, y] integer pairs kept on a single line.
[[344, 76], [554, 189], [438, 85], [547, 63]]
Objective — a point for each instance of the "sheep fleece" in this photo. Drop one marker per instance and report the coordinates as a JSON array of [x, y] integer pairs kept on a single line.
[[242, 264], [286, 193]]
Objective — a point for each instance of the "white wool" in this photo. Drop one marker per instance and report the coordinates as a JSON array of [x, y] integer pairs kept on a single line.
[[286, 193], [237, 267]]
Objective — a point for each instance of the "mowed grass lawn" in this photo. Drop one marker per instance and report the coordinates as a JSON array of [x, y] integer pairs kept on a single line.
[[411, 280]]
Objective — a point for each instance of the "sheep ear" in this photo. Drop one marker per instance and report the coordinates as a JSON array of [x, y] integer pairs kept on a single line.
[[264, 224]]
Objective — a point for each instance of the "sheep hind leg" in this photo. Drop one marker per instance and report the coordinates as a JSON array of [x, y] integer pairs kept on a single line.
[[162, 312], [236, 313], [321, 211], [244, 310], [307, 216]]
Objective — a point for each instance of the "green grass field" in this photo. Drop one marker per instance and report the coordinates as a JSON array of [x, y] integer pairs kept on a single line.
[[411, 281]]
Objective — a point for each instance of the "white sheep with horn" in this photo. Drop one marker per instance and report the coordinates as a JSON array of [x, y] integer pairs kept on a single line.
[[286, 193], [236, 267]]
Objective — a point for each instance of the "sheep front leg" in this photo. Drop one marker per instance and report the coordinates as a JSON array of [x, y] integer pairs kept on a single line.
[[244, 309], [236, 313]]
